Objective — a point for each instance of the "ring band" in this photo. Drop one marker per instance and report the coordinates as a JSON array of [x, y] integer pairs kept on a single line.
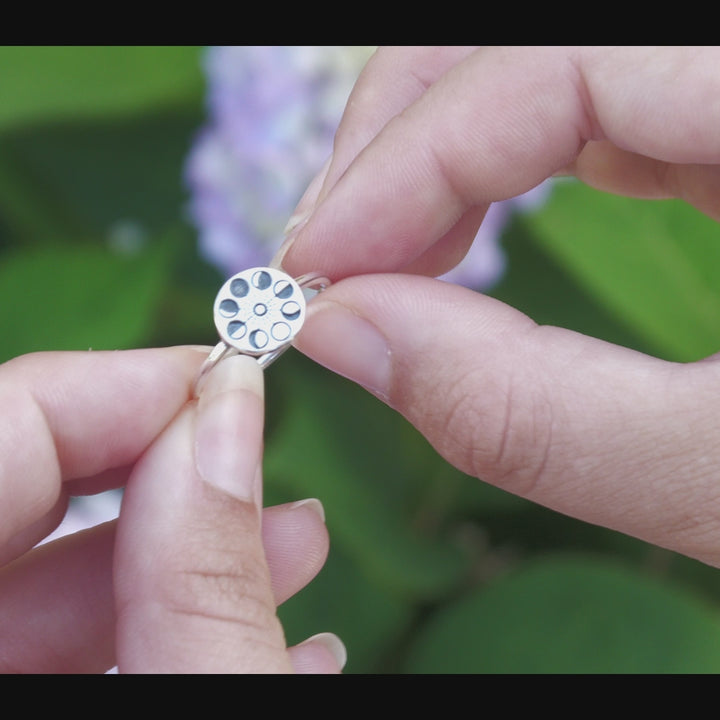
[[258, 312]]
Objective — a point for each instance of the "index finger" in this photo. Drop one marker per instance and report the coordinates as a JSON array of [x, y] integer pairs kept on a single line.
[[72, 415], [493, 126]]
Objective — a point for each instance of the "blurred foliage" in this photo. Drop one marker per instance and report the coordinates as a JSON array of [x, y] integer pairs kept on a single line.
[[429, 570]]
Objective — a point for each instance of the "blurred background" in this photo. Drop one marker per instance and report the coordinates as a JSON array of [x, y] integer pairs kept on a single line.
[[134, 180]]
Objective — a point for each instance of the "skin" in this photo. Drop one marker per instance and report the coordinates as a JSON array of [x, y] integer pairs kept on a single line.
[[430, 137], [189, 578]]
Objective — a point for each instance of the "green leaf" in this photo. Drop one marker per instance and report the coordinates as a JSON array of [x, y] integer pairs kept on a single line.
[[550, 294], [78, 298], [571, 615], [41, 83], [328, 438], [79, 180], [654, 264], [342, 599]]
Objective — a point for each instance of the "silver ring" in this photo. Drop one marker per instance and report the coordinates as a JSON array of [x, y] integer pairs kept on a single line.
[[258, 312]]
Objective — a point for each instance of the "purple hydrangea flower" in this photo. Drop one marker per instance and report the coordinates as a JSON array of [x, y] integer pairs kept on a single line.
[[484, 263], [273, 112]]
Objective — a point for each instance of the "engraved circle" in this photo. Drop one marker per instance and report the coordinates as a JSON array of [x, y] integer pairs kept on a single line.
[[291, 310], [237, 330], [283, 289], [261, 279], [259, 310], [239, 287], [259, 339], [280, 331], [228, 308]]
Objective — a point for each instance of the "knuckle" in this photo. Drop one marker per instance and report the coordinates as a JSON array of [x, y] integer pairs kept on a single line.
[[503, 434], [224, 604], [213, 580]]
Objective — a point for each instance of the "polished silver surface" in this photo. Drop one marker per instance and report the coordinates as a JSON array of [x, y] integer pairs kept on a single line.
[[258, 312]]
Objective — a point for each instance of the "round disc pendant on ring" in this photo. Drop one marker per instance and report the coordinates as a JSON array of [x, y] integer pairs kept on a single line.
[[259, 310]]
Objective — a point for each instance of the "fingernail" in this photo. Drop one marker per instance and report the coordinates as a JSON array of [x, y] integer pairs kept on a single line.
[[301, 214], [229, 428], [312, 504], [298, 222], [334, 644], [347, 344], [310, 197]]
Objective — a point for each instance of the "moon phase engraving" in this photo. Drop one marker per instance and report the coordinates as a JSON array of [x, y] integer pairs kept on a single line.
[[259, 310]]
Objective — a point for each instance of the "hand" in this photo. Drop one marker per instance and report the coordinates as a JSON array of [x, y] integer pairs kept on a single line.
[[430, 137], [195, 579]]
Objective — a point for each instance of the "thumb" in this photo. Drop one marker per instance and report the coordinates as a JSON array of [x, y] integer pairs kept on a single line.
[[596, 431], [192, 585]]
